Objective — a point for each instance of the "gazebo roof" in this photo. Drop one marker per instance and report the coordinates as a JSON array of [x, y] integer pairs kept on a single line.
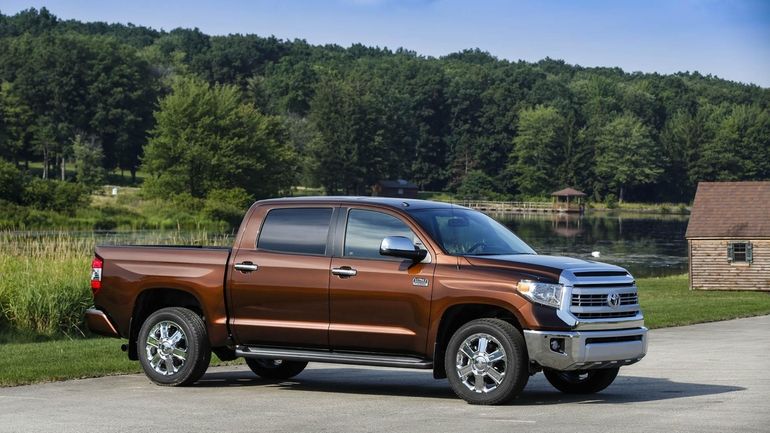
[[569, 192]]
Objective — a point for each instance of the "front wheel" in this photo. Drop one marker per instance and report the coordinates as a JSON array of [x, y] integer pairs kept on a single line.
[[173, 347], [581, 381], [486, 362], [275, 369]]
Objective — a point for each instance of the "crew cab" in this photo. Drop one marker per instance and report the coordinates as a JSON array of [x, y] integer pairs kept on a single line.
[[371, 281]]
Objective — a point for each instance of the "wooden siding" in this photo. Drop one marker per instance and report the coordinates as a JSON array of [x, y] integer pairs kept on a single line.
[[710, 269]]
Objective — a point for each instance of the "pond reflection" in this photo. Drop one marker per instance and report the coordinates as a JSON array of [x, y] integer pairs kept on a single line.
[[646, 245]]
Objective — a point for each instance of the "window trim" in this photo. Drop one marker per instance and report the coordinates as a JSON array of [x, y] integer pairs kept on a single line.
[[330, 235], [748, 252]]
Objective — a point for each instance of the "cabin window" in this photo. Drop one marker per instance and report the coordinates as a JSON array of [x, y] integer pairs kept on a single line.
[[739, 252]]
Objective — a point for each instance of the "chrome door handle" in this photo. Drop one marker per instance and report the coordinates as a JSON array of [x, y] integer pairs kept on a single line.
[[246, 267], [344, 272]]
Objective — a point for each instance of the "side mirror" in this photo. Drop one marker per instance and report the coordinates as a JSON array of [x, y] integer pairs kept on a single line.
[[399, 246]]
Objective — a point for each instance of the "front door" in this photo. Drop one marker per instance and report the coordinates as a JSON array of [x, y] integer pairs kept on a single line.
[[284, 298], [378, 303]]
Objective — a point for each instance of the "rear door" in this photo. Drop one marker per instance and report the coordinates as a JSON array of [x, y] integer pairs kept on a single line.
[[279, 287], [378, 303]]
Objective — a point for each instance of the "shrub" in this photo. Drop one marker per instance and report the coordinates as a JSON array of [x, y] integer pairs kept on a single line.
[[55, 195], [611, 201], [11, 182], [227, 205]]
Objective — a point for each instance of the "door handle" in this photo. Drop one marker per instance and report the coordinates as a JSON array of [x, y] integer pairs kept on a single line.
[[344, 271], [246, 267]]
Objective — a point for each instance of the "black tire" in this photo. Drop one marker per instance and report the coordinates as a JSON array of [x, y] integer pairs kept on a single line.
[[161, 357], [275, 369], [490, 379], [581, 381]]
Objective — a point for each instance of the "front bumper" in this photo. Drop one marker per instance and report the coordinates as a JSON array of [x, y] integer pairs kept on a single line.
[[99, 323], [583, 350]]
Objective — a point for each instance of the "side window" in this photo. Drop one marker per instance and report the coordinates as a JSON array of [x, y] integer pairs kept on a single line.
[[366, 229], [740, 252], [296, 230]]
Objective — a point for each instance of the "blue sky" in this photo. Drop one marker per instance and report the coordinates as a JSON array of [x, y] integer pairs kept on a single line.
[[730, 39]]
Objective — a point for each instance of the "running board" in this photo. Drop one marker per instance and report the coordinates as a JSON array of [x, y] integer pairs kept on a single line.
[[332, 357]]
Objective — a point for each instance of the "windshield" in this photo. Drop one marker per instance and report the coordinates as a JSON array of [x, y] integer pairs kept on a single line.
[[463, 232]]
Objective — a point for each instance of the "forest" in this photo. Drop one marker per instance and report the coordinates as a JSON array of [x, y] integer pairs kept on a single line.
[[241, 117]]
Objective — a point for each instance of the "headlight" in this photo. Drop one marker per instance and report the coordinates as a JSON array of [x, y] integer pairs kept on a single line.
[[542, 293]]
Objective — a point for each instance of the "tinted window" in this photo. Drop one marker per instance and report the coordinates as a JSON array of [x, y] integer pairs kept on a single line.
[[365, 232], [296, 230]]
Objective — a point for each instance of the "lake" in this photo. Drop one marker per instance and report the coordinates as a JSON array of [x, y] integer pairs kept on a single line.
[[647, 245]]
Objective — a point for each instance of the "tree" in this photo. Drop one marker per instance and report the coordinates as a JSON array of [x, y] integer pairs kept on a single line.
[[206, 139], [539, 150], [626, 155], [88, 161]]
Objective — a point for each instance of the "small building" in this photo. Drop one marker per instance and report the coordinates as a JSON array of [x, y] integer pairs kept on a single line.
[[568, 200], [728, 236], [394, 188]]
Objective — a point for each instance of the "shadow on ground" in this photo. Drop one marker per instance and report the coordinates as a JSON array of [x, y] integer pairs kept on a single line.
[[408, 383]]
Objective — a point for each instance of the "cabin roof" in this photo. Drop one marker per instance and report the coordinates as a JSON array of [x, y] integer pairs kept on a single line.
[[569, 192], [730, 210]]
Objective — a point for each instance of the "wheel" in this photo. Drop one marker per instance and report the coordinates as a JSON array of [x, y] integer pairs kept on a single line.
[[275, 368], [486, 362], [581, 381], [173, 347]]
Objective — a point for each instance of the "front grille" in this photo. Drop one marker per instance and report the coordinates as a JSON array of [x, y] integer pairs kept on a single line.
[[616, 314], [600, 299], [591, 295]]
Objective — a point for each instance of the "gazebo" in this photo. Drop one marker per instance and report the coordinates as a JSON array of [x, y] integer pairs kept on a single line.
[[568, 200]]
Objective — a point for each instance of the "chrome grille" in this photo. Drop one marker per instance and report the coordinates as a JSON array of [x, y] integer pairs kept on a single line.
[[591, 292]]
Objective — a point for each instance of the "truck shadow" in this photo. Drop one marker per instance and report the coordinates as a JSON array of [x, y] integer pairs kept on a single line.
[[408, 383]]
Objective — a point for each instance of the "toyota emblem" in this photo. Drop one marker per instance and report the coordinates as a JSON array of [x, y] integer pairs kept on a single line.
[[613, 300]]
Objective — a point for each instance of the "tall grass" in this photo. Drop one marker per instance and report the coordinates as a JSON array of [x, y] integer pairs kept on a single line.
[[44, 278]]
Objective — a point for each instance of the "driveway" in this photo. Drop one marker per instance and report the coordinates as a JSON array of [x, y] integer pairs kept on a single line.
[[711, 377]]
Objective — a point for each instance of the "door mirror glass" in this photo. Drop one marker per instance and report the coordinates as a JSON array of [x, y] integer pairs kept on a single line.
[[400, 246]]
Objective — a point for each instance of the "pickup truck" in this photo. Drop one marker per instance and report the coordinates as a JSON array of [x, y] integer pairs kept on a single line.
[[371, 281]]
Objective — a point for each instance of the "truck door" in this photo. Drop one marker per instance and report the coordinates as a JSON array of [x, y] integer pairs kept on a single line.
[[279, 287], [377, 303]]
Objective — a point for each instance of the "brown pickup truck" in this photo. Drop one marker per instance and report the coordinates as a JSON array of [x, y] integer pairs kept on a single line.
[[372, 281]]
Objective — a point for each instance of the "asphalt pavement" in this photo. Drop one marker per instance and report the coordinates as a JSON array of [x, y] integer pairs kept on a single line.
[[712, 377]]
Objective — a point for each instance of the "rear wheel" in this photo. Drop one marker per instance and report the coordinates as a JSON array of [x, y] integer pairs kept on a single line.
[[486, 362], [581, 381], [173, 347], [275, 368]]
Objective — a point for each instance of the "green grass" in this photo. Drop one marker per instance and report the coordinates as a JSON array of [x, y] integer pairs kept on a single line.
[[668, 302], [25, 363]]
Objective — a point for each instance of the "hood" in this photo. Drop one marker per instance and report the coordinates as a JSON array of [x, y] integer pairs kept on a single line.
[[549, 267]]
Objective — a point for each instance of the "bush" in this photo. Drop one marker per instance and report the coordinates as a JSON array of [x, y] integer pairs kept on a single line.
[[611, 201], [55, 195], [11, 182]]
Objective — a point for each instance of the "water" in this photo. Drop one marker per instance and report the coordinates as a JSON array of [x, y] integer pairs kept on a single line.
[[646, 245]]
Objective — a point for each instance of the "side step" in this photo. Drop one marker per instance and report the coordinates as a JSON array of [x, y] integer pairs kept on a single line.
[[332, 357]]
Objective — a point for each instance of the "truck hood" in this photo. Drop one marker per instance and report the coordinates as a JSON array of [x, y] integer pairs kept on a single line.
[[540, 266]]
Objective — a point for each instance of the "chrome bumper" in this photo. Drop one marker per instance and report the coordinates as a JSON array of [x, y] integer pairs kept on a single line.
[[99, 323], [583, 350]]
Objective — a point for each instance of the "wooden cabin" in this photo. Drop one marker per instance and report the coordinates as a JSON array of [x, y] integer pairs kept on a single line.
[[395, 188], [729, 236], [568, 200]]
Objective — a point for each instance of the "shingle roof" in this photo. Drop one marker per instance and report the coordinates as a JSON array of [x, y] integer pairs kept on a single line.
[[730, 210]]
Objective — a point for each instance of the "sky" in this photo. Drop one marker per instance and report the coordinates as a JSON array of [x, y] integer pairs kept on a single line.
[[726, 38]]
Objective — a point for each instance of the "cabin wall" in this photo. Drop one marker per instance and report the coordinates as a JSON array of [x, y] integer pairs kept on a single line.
[[711, 270]]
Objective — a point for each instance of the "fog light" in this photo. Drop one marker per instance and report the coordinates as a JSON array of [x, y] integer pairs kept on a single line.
[[557, 345]]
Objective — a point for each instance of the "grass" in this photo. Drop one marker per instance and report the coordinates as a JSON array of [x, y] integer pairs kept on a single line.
[[667, 301]]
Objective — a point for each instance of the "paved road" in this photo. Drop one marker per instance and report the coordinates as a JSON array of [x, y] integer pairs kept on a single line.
[[704, 378]]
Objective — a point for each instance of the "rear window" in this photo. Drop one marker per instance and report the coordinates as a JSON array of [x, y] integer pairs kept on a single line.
[[296, 230]]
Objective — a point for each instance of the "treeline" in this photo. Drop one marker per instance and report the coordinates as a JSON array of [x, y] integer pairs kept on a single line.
[[244, 116]]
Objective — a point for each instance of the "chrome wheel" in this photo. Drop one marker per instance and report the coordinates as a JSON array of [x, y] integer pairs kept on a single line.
[[481, 363], [166, 348]]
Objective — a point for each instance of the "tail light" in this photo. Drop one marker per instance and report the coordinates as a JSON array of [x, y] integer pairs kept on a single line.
[[96, 274]]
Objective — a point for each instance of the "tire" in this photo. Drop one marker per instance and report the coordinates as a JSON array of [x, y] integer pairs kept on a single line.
[[581, 381], [500, 370], [275, 369], [173, 347]]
